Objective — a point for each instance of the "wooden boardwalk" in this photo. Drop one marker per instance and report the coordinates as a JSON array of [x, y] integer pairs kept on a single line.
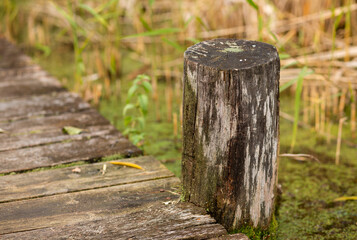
[[80, 201]]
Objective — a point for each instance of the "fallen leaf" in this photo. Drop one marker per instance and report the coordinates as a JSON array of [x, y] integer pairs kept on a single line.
[[340, 199], [2, 130], [71, 130], [76, 170], [133, 165]]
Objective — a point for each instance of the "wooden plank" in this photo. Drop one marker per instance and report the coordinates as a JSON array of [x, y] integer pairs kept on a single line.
[[39, 77], [64, 180], [44, 130], [66, 152], [43, 105], [30, 73], [157, 221], [51, 136], [146, 210], [8, 49], [14, 60], [70, 208], [30, 70], [12, 57], [29, 87]]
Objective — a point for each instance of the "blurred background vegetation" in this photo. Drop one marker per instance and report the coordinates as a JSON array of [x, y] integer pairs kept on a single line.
[[101, 49]]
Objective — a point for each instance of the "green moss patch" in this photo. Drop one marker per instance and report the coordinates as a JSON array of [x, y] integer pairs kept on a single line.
[[307, 209], [259, 234]]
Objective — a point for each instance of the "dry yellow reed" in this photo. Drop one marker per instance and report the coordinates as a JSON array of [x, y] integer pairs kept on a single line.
[[339, 136], [168, 94], [341, 105], [353, 116], [323, 111], [299, 26], [305, 98], [175, 127]]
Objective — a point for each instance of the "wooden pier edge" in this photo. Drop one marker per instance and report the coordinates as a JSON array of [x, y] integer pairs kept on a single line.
[[51, 186], [230, 130]]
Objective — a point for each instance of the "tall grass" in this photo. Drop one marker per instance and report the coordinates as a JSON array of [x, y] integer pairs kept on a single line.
[[154, 35]]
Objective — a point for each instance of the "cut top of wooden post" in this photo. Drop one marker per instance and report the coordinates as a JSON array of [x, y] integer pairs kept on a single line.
[[231, 54]]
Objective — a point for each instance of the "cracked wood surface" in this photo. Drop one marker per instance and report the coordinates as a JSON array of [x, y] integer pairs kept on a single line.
[[230, 130], [28, 87], [89, 176], [67, 203], [93, 204], [155, 220], [66, 152], [45, 130], [41, 106]]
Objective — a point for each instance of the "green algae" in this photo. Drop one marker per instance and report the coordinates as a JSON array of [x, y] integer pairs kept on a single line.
[[257, 233], [305, 208]]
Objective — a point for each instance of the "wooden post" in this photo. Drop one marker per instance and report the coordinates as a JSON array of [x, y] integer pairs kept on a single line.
[[230, 130]]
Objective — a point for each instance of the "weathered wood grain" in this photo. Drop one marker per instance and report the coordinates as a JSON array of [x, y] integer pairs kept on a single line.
[[230, 130], [70, 208], [26, 71], [39, 137], [152, 221], [29, 87], [64, 180], [66, 152], [123, 203], [45, 130], [11, 56], [43, 105], [30, 73]]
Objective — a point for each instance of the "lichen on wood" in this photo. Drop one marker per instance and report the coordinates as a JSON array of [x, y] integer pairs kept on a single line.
[[230, 130]]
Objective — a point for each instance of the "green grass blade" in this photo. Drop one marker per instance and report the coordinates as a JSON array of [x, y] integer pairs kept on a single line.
[[253, 4], [202, 23], [145, 24], [283, 56], [304, 72], [67, 17], [289, 65], [194, 40], [151, 2], [98, 17], [106, 5], [174, 44], [288, 84]]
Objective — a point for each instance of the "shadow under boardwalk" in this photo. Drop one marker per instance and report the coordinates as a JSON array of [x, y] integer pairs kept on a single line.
[[85, 200]]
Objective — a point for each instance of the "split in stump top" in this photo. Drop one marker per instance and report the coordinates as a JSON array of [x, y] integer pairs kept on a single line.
[[231, 54]]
